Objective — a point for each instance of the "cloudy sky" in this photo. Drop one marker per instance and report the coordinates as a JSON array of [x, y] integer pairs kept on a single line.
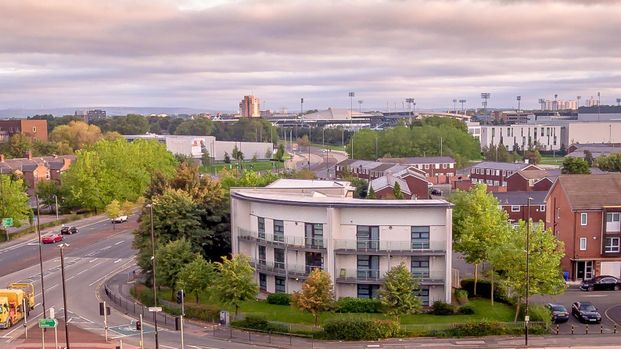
[[209, 53]]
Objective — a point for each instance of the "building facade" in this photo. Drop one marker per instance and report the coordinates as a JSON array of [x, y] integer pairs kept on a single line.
[[517, 205], [496, 174], [356, 241], [584, 212], [36, 169], [514, 137], [249, 107], [33, 129], [532, 180], [437, 169]]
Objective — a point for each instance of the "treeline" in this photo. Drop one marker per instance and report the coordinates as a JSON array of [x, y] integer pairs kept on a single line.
[[432, 136]]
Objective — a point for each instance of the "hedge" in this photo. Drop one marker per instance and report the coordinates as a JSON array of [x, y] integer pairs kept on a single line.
[[441, 308], [484, 289], [354, 329], [258, 323], [279, 298], [358, 305]]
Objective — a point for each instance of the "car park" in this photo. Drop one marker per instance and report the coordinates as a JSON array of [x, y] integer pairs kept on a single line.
[[68, 230], [586, 312], [601, 283], [559, 313], [51, 238]]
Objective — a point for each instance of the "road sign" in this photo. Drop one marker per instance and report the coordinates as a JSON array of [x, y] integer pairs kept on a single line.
[[48, 323], [7, 222], [155, 309], [52, 313]]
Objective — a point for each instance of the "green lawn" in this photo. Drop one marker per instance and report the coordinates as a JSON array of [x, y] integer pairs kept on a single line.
[[328, 146], [551, 160], [247, 165]]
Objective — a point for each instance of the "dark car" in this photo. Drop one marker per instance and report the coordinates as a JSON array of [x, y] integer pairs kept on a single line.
[[68, 230], [436, 192], [559, 313], [586, 312], [602, 282]]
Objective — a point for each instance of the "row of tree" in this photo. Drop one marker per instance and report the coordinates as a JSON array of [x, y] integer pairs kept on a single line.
[[482, 232], [501, 154]]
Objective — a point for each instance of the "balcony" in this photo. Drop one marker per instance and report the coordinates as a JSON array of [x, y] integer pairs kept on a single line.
[[290, 242], [281, 269], [384, 247], [375, 276]]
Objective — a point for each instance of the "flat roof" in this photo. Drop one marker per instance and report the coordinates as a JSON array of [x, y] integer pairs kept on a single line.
[[307, 183]]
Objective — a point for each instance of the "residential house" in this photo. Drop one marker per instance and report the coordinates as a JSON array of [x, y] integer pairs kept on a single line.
[[495, 174], [438, 169], [531, 179], [36, 169], [33, 129], [412, 183], [518, 207]]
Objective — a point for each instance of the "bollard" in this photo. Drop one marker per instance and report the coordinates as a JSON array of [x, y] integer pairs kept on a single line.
[[230, 332], [558, 327], [601, 329], [615, 329], [249, 339], [586, 331], [290, 338], [572, 328]]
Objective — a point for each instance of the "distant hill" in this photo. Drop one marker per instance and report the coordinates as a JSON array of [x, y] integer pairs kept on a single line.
[[23, 113]]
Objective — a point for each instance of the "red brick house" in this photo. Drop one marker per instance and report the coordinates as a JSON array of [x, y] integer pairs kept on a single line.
[[515, 203], [413, 184], [438, 169], [532, 180], [584, 212], [36, 169], [33, 129], [496, 173]]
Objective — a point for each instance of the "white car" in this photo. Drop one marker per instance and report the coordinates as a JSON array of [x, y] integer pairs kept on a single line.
[[120, 219]]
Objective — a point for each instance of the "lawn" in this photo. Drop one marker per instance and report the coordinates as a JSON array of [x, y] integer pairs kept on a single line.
[[552, 160], [329, 146], [248, 165]]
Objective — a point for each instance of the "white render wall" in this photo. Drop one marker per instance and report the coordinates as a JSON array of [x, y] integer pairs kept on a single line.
[[339, 223], [518, 134]]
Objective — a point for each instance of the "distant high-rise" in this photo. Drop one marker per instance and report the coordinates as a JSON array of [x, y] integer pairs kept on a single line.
[[558, 104], [249, 107]]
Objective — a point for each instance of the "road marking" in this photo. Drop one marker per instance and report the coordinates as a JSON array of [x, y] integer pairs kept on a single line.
[[106, 248], [608, 316], [112, 272], [120, 242]]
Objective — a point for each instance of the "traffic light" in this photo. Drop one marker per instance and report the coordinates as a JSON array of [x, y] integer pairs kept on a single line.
[[180, 296], [138, 325]]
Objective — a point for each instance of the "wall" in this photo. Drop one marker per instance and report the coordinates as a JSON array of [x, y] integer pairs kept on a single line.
[[249, 149], [592, 132]]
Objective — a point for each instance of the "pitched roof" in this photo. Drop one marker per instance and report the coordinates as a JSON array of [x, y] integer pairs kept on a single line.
[[521, 197], [538, 174], [420, 160], [389, 181], [591, 191], [510, 166]]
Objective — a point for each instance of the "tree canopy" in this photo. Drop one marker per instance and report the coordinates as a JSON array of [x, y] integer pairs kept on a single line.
[[398, 292], [574, 165], [235, 281], [77, 134], [171, 259], [316, 295], [13, 200]]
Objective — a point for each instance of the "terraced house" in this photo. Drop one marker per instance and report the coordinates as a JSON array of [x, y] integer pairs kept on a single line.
[[293, 226]]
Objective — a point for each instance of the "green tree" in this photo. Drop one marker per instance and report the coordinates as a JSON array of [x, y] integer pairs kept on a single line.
[[235, 281], [574, 165], [396, 191], [545, 254], [280, 153], [49, 192], [19, 145], [13, 200], [588, 156], [533, 156], [398, 292], [77, 134], [171, 258], [196, 276], [227, 158], [113, 210], [610, 162], [195, 127], [478, 225], [316, 295], [206, 158], [372, 194]]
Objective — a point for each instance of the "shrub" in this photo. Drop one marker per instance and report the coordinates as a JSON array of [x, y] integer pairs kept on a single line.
[[253, 322], [204, 312], [484, 289], [360, 329], [279, 298], [143, 294], [358, 305], [476, 329], [441, 308], [461, 295], [466, 309]]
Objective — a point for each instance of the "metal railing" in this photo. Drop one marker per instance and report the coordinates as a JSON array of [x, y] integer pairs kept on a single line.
[[134, 308], [387, 245], [282, 268], [279, 239]]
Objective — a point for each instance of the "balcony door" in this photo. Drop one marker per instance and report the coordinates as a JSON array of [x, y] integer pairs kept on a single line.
[[367, 237], [313, 234]]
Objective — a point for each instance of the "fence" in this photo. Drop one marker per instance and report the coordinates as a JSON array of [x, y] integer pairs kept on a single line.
[[134, 309], [273, 339]]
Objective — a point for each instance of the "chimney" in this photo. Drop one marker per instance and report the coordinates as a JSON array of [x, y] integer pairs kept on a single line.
[[29, 154], [1, 157]]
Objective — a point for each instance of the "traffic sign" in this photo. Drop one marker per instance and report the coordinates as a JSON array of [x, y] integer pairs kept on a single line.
[[7, 222], [52, 313], [48, 323], [155, 309]]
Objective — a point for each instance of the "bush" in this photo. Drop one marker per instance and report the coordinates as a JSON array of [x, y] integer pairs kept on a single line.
[[484, 289], [466, 309], [253, 322], [476, 329], [358, 305], [360, 329], [143, 294], [279, 298], [204, 312], [461, 295], [441, 308]]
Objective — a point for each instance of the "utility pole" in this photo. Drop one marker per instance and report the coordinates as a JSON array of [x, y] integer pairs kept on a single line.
[[360, 105], [157, 344], [599, 104], [455, 106], [62, 271], [462, 101], [526, 317], [141, 333], [56, 205], [181, 317], [40, 258], [351, 109], [519, 99]]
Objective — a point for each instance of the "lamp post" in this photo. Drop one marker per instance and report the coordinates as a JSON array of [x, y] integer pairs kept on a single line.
[[351, 108], [56, 205], [599, 104], [526, 317], [519, 99], [62, 272], [157, 345], [41, 263]]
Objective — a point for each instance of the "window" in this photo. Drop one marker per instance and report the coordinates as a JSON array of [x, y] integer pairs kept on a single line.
[[279, 258], [426, 166], [437, 166], [420, 238], [612, 222], [583, 244], [367, 237], [612, 217], [542, 208], [420, 266], [583, 218], [262, 282], [497, 172], [611, 245], [558, 213], [368, 291], [279, 231], [280, 284], [313, 234], [262, 254], [423, 293], [368, 267], [444, 166], [515, 208], [261, 227], [451, 165]]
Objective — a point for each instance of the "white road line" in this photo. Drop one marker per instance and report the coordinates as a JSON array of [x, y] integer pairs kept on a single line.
[[118, 243], [106, 248], [118, 260], [112, 272]]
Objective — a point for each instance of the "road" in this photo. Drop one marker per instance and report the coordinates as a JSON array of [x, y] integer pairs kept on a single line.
[[322, 161]]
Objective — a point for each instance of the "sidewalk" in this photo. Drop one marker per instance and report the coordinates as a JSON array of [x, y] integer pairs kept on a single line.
[[78, 339]]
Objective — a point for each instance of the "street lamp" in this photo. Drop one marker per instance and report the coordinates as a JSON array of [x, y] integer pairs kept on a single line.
[[41, 261], [519, 99], [526, 317], [62, 272], [56, 205], [150, 207]]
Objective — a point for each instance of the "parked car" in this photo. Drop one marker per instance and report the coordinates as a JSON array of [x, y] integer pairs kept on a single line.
[[586, 312], [52, 238], [602, 282], [559, 313], [68, 230], [436, 192], [120, 219]]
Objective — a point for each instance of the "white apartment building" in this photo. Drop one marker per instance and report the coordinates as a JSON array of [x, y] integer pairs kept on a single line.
[[293, 226], [548, 137]]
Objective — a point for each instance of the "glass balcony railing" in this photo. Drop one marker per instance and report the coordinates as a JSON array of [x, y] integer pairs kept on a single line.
[[281, 268], [294, 241], [384, 245]]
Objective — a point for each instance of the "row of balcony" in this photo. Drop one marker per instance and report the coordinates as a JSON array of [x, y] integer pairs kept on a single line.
[[370, 276], [348, 246]]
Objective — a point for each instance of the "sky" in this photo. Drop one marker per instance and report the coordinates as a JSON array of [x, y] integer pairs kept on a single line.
[[208, 54]]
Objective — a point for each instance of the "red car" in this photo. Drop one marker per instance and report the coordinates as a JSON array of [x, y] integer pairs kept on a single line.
[[51, 239]]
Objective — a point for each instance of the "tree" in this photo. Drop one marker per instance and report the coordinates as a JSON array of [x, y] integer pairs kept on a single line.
[[127, 208], [19, 145], [574, 165], [397, 292], [304, 141], [196, 276], [171, 258], [227, 158], [206, 159], [588, 156], [396, 191], [77, 134], [195, 127], [545, 254], [610, 162], [533, 156], [317, 294], [280, 153], [478, 225], [50, 192], [13, 200], [235, 281], [113, 210], [371, 194]]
